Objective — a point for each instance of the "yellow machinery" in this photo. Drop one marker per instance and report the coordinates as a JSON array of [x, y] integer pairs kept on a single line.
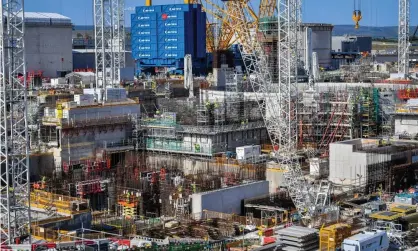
[[331, 237], [403, 209]]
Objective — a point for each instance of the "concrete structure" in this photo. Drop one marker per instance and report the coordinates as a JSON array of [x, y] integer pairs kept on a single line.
[[84, 59], [228, 200], [374, 162], [320, 42], [48, 43], [86, 132], [352, 44]]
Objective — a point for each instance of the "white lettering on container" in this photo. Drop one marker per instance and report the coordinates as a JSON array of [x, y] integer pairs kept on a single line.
[[143, 18], [144, 55], [173, 9], [170, 47], [170, 40], [144, 48], [144, 40], [143, 25], [170, 32], [144, 33], [170, 55], [148, 10]]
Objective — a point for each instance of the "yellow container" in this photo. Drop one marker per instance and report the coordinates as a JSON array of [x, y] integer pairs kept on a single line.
[[331, 237]]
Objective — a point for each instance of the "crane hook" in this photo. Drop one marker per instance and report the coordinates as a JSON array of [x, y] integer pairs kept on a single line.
[[356, 17]]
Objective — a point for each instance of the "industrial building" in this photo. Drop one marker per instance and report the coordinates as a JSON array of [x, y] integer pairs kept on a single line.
[[372, 163], [319, 36], [163, 34], [48, 44]]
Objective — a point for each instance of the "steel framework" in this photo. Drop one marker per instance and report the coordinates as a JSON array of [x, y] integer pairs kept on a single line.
[[278, 99], [118, 26], [109, 29], [403, 37], [14, 162]]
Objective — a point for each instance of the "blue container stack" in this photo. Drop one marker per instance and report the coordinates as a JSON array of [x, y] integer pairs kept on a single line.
[[162, 35]]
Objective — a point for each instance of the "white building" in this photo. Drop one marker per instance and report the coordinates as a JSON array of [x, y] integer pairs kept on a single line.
[[48, 43], [372, 163]]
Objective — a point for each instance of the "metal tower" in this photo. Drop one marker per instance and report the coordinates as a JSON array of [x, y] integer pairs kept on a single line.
[[109, 29], [403, 38], [118, 17], [278, 100], [14, 143]]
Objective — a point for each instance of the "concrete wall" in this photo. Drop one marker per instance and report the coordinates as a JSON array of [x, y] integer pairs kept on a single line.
[[275, 177], [228, 200], [345, 165], [83, 59], [48, 49], [406, 123], [102, 111]]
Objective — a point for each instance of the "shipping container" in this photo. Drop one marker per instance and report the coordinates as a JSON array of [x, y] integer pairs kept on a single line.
[[143, 31], [143, 17], [176, 8], [147, 24], [147, 9], [170, 39], [170, 16], [136, 40], [248, 152]]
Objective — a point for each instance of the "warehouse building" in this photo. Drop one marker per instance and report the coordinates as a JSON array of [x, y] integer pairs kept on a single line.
[[48, 44], [163, 34]]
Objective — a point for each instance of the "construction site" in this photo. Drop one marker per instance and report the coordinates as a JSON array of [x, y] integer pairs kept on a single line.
[[229, 131]]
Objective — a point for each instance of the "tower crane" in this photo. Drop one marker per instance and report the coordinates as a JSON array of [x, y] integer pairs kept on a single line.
[[14, 143], [403, 38], [109, 31], [278, 99]]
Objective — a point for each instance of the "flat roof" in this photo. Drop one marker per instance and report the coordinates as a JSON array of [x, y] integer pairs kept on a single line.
[[46, 18]]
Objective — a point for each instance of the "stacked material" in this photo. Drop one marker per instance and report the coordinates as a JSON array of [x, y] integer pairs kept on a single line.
[[299, 238]]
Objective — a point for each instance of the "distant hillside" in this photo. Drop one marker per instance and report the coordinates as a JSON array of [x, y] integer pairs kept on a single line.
[[339, 30], [375, 32]]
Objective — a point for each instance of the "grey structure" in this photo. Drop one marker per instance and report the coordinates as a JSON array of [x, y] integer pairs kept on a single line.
[[228, 200], [48, 43]]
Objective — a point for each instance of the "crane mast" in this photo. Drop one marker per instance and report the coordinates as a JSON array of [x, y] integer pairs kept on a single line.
[[109, 30], [403, 38], [14, 143], [278, 97]]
